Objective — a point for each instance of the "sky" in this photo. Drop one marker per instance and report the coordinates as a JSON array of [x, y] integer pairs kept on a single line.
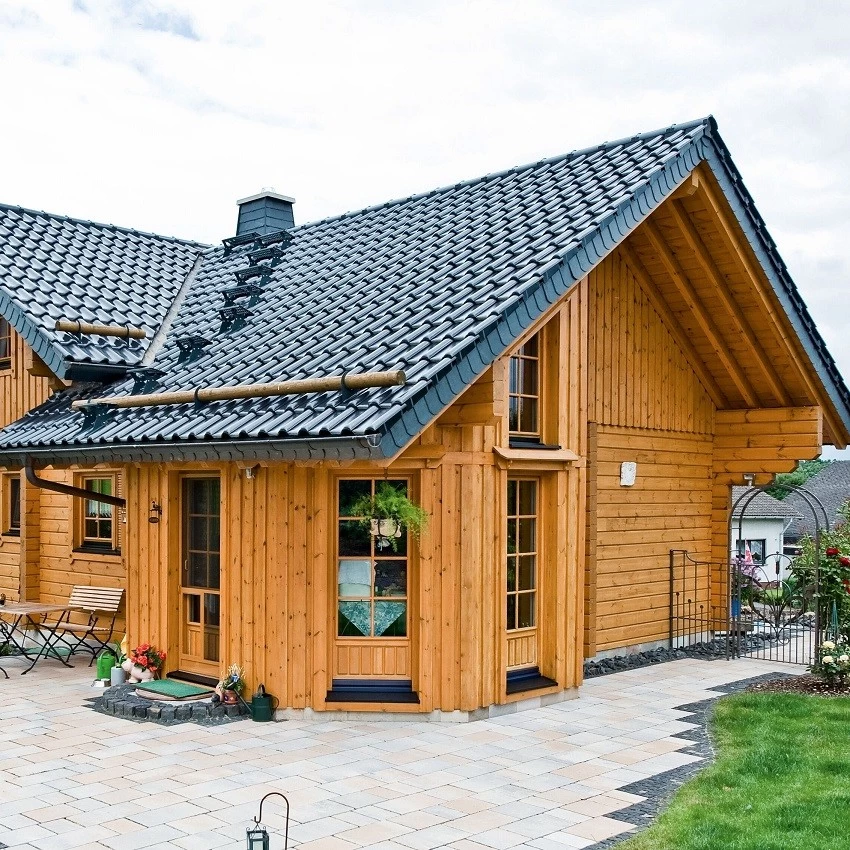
[[160, 115]]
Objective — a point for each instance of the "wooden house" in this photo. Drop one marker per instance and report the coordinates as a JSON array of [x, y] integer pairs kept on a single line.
[[594, 348]]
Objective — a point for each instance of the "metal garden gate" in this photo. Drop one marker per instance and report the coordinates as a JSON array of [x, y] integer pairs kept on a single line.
[[741, 608]]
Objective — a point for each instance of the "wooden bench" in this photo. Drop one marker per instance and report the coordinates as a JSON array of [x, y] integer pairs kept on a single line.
[[100, 604]]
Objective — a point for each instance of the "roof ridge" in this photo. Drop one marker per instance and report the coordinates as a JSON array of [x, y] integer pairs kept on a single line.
[[104, 225], [708, 122]]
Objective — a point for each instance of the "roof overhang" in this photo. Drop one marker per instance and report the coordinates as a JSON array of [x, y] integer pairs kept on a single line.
[[361, 447]]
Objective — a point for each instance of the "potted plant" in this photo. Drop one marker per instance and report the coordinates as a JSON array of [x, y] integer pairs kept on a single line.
[[231, 685], [388, 512], [144, 663]]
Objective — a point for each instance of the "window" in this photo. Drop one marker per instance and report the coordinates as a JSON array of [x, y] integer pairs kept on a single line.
[[12, 505], [757, 550], [522, 554], [371, 570], [98, 530], [524, 391], [5, 344]]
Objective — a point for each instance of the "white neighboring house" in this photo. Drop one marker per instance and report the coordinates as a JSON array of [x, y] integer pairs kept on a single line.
[[762, 529]]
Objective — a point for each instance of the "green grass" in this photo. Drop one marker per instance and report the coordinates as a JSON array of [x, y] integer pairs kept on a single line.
[[781, 780]]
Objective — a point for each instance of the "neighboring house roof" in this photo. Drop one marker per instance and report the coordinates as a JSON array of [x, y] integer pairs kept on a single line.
[[53, 267], [761, 506], [438, 285], [831, 486]]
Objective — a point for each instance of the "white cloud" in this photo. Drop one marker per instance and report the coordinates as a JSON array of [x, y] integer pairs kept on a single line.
[[159, 115]]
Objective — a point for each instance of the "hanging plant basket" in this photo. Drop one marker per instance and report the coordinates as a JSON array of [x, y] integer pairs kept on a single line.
[[384, 528], [388, 513]]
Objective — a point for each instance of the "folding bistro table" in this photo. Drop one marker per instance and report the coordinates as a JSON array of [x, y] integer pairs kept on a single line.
[[17, 617]]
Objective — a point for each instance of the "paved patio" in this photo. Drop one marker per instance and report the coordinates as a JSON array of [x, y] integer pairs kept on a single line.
[[544, 779]]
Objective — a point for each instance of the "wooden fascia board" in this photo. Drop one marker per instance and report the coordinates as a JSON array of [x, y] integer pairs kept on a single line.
[[744, 329], [709, 328], [672, 324], [729, 231]]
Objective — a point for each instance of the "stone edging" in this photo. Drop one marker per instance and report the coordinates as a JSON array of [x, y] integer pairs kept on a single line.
[[122, 701], [660, 788], [705, 651]]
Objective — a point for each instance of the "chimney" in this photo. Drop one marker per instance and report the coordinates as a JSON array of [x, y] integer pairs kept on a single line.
[[265, 212]]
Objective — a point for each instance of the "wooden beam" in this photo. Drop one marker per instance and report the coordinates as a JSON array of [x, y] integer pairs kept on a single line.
[[689, 187], [672, 324], [745, 331], [729, 232], [706, 323]]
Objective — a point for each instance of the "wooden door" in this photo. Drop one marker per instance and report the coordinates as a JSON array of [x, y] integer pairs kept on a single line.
[[200, 600], [523, 561], [372, 586]]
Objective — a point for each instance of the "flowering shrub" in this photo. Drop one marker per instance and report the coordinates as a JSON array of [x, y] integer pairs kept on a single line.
[[833, 572], [233, 680], [832, 662], [148, 657]]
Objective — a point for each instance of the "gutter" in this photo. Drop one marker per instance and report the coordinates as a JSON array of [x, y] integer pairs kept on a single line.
[[360, 447]]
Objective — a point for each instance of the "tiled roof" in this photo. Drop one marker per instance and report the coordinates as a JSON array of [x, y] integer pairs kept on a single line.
[[762, 506], [53, 267], [438, 285], [831, 486]]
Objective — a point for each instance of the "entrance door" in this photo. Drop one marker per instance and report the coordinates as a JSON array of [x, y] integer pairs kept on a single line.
[[200, 604], [372, 612], [522, 572]]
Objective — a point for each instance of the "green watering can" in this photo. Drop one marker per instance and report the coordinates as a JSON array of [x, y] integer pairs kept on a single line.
[[261, 706], [105, 662]]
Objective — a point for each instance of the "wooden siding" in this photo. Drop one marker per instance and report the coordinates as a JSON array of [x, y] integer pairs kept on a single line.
[[278, 574], [639, 376], [19, 390], [59, 566], [633, 528]]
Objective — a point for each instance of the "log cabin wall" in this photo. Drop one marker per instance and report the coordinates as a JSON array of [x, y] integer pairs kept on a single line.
[[61, 562], [20, 391], [278, 575], [647, 406]]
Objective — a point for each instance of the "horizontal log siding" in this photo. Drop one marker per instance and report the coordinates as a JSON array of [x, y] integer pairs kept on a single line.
[[59, 568], [669, 507]]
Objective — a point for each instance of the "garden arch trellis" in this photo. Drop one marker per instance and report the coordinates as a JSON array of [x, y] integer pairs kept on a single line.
[[743, 609]]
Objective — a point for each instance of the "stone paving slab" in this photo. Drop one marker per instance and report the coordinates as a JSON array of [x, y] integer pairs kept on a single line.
[[578, 774]]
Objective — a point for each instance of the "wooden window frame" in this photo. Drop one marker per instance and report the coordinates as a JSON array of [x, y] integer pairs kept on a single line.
[[100, 545], [519, 356], [6, 341], [9, 485], [536, 552], [373, 558]]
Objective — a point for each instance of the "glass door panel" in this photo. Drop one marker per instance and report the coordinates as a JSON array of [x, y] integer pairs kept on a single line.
[[522, 572], [201, 576]]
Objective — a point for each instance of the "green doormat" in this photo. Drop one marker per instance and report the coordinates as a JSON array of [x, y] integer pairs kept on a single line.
[[169, 689]]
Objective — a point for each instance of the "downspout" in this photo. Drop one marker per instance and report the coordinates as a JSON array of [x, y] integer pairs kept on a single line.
[[67, 490]]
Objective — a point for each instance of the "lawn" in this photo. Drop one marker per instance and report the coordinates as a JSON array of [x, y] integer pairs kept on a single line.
[[781, 780]]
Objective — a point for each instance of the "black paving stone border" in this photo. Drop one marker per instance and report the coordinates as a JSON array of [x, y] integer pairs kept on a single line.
[[123, 701], [660, 788], [710, 650]]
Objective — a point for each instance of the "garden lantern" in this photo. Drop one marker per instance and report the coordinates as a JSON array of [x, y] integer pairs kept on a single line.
[[257, 836]]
